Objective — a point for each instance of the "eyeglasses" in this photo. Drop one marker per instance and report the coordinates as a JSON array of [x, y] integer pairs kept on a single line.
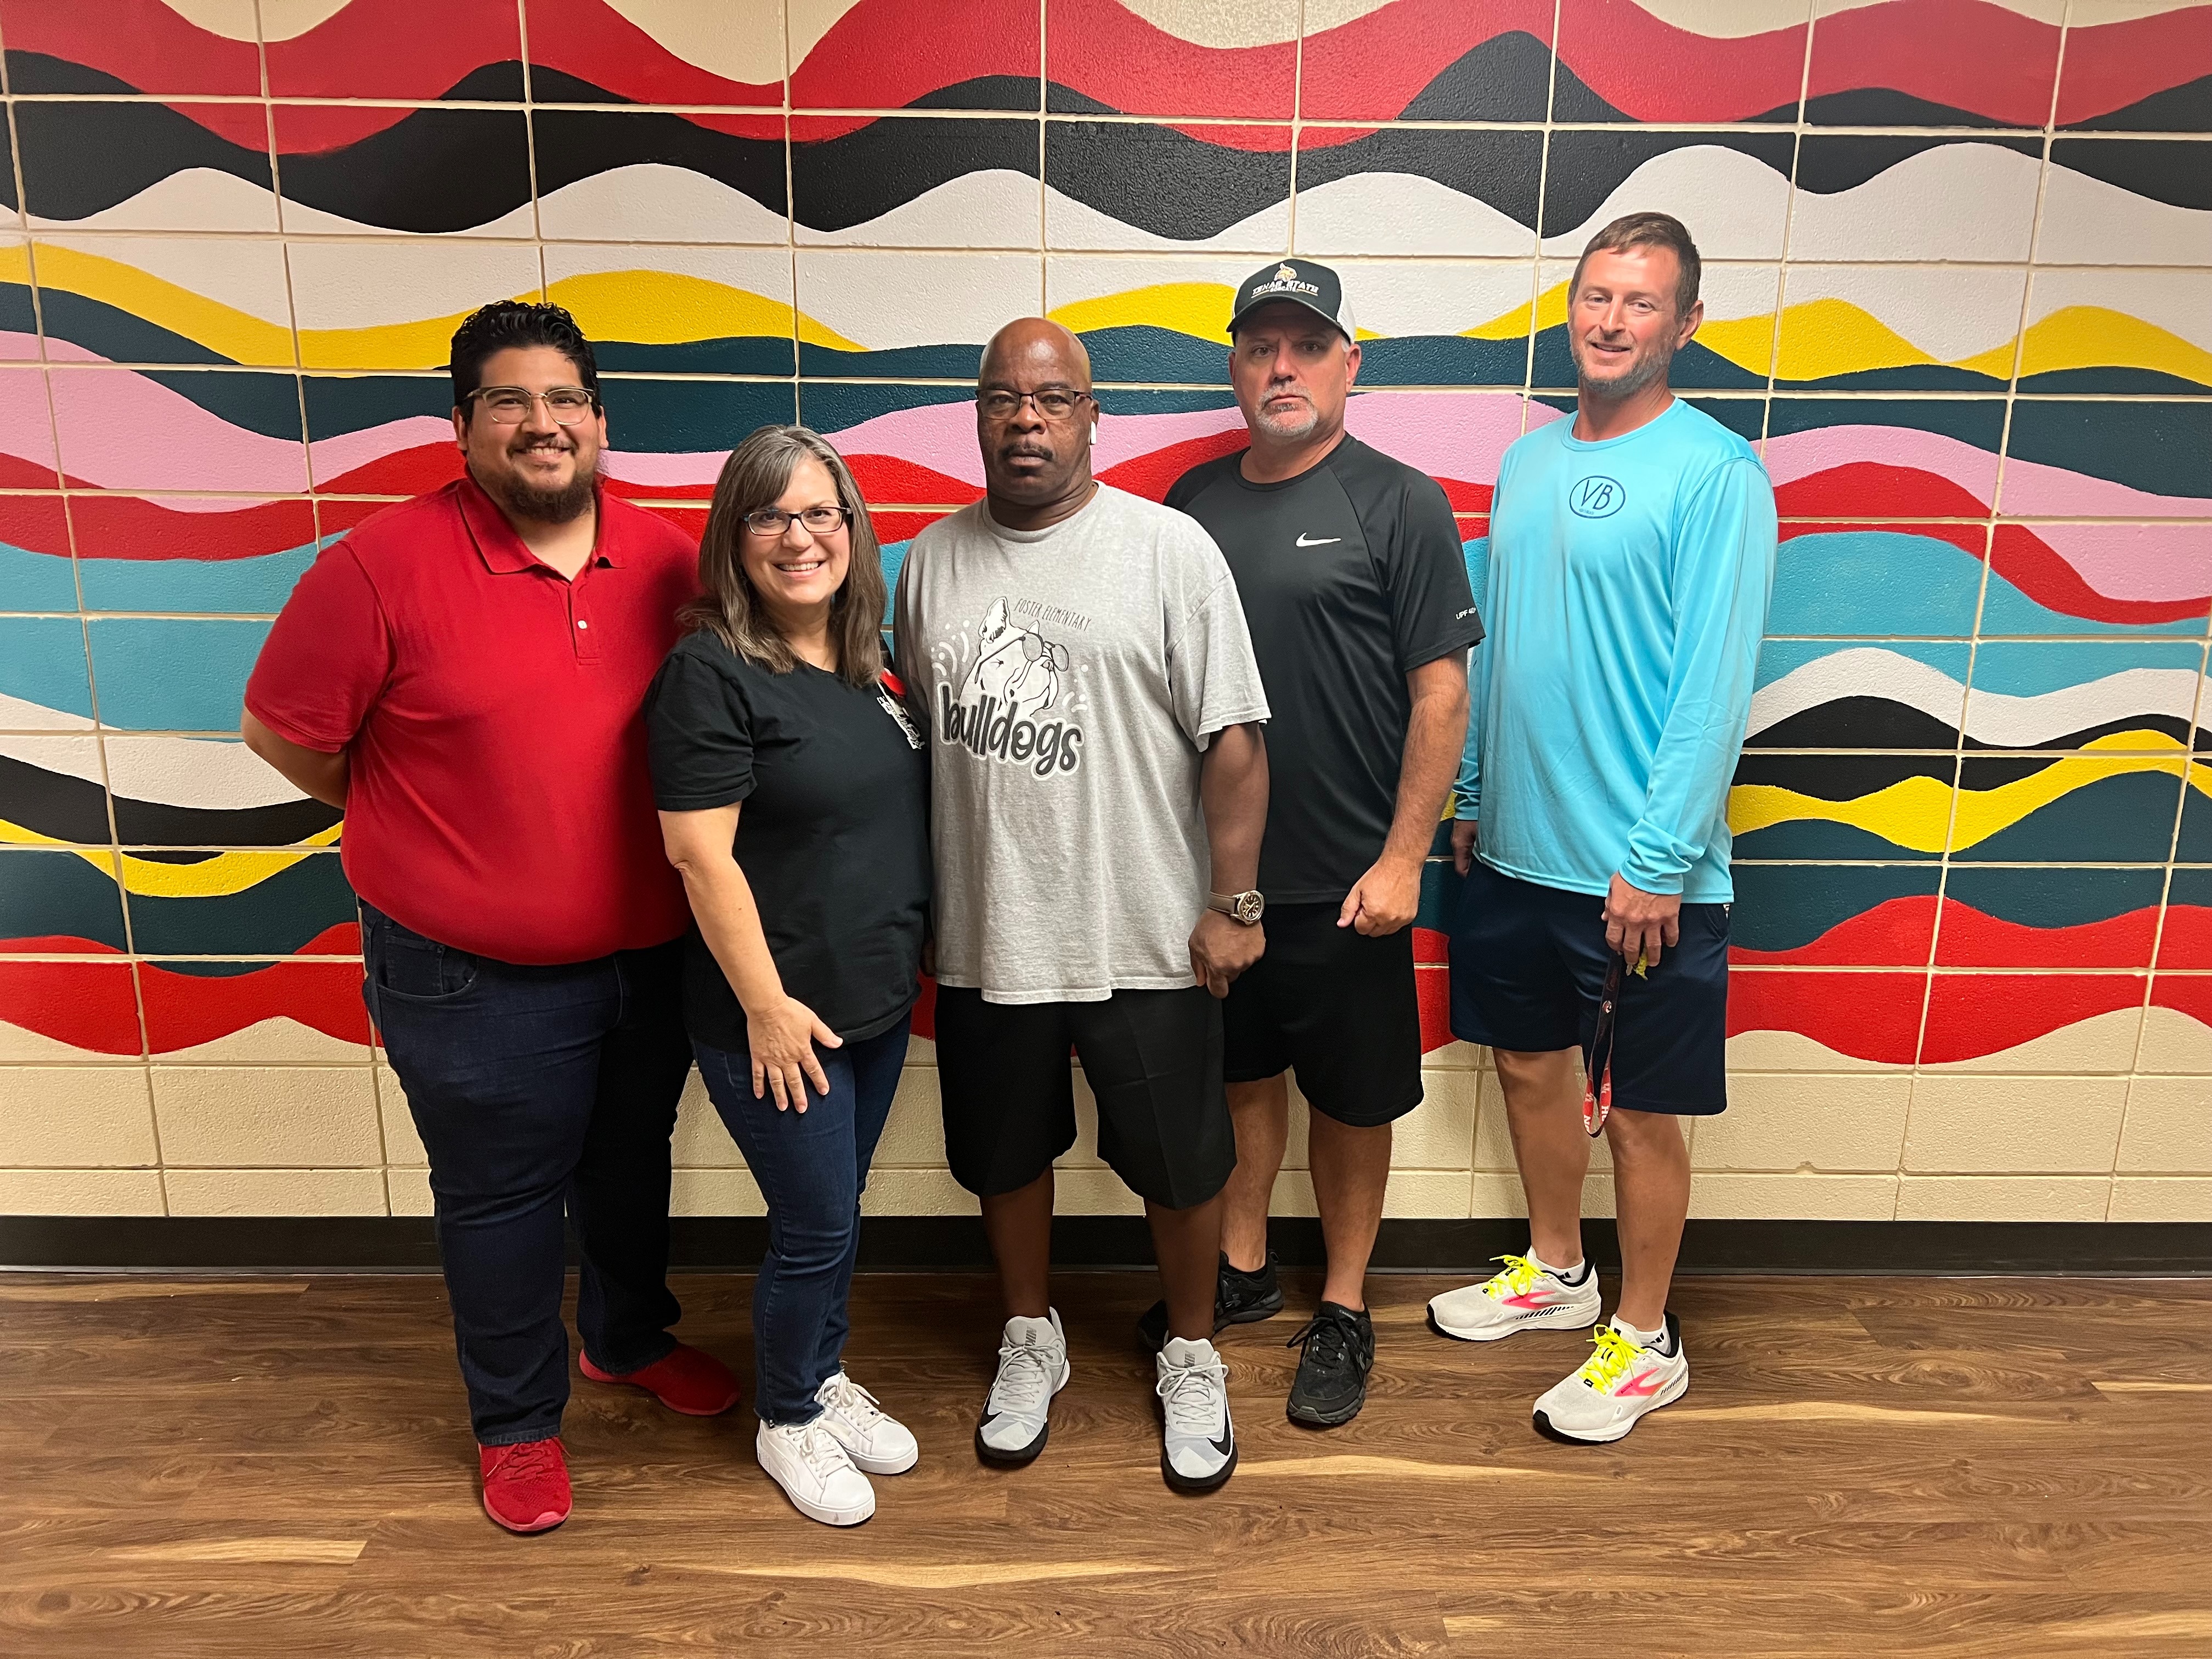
[[510, 405], [1054, 402], [818, 521]]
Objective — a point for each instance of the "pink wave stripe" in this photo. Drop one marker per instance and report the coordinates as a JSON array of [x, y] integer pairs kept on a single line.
[[1801, 454], [335, 457], [650, 469], [1446, 434], [940, 436], [126, 432], [2153, 561], [27, 431], [2032, 490]]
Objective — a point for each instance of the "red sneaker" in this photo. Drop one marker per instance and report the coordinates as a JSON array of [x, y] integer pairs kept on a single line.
[[687, 1380], [525, 1486]]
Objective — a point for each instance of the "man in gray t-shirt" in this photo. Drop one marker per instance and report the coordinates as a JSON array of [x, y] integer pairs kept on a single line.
[[1080, 659]]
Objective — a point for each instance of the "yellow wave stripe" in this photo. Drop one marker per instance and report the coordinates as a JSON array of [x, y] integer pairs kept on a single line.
[[1917, 812], [2091, 337], [214, 877], [660, 307]]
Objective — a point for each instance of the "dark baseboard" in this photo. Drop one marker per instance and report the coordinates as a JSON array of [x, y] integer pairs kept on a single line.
[[733, 1243]]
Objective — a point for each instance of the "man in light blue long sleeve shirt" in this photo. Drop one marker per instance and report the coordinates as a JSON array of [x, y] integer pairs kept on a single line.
[[1632, 553]]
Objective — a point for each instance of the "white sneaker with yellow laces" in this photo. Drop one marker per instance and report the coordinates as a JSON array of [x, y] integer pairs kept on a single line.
[[1624, 1378], [1526, 1294]]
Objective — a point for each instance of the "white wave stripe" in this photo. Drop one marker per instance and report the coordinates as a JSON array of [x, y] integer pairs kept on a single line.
[[2178, 301], [737, 39], [1403, 213], [207, 774], [20, 714], [340, 286], [195, 198], [1950, 312], [67, 757], [652, 202], [2102, 1042], [1739, 205], [1076, 225], [993, 207], [1954, 202], [886, 300], [247, 276], [1991, 717], [2088, 222]]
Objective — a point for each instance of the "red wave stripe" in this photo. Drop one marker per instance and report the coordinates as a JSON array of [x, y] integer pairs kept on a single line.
[[893, 526], [881, 55], [1645, 67], [1896, 933], [36, 524], [1152, 476], [146, 44], [16, 473], [55, 945], [412, 49], [1867, 1016], [1972, 1015], [2031, 565], [90, 1005], [1964, 53], [924, 1021], [1372, 67], [2111, 66], [182, 1010], [1868, 488], [2184, 994], [135, 527], [887, 479], [592, 42], [1106, 51], [1432, 991], [405, 472], [2187, 939]]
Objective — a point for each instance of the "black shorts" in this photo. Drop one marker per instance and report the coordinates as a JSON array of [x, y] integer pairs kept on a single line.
[[1527, 968], [1152, 1058], [1335, 1007]]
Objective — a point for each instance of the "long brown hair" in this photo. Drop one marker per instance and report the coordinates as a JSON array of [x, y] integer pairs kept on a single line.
[[756, 475]]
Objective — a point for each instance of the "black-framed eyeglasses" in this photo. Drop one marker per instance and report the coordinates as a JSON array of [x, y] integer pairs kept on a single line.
[[509, 405], [818, 521], [1054, 402]]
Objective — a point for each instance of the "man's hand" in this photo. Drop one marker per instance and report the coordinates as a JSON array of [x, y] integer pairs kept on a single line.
[[1384, 899], [1221, 949], [1463, 844], [1639, 924]]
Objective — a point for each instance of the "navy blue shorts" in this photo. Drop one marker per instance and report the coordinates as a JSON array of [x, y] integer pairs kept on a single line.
[[1529, 965]]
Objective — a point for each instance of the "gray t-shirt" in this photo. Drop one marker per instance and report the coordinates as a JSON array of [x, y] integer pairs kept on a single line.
[[1069, 680]]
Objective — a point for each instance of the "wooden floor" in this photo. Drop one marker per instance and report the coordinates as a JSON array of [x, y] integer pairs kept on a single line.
[[1864, 1466]]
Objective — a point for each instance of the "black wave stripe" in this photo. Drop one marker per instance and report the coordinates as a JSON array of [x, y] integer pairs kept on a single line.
[[1502, 169], [1573, 100], [2174, 171], [79, 158], [68, 809], [1885, 107], [1158, 179], [2169, 726], [1787, 906], [2056, 898], [437, 170], [575, 144], [2163, 448], [1831, 162], [55, 895], [74, 810], [1586, 167], [275, 917], [837, 183], [1979, 422], [36, 72], [2184, 109], [1873, 723], [1503, 79], [2128, 818], [1841, 777], [8, 169]]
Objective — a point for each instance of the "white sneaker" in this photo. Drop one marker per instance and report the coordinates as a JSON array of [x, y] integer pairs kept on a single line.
[[1620, 1381], [806, 1460], [877, 1442], [1032, 1367], [1198, 1447], [1526, 1294]]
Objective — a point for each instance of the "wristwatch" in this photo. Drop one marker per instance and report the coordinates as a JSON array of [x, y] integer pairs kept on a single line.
[[1245, 906]]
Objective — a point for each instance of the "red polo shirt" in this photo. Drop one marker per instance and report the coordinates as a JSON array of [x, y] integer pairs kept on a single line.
[[498, 798]]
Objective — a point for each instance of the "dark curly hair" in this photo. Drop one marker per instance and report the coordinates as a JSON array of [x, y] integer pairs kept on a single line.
[[506, 323]]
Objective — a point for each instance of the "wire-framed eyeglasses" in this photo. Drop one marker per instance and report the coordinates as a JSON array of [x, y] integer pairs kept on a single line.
[[1054, 402], [509, 405], [774, 522]]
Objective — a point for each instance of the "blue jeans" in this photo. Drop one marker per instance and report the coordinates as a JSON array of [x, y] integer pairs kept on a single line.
[[537, 1090], [811, 1167]]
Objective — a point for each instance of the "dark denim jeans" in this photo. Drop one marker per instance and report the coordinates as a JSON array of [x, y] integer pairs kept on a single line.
[[811, 1167], [537, 1089]]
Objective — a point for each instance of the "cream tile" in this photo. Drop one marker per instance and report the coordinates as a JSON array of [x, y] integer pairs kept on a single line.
[[1428, 1193], [2137, 1199], [1794, 1197], [914, 1136], [1456, 1056], [2102, 1042], [2002, 1198], [1293, 1194], [1093, 1192], [700, 1142], [715, 1191], [916, 1192], [2169, 1127], [1804, 1121], [409, 1192], [2047, 1125], [312, 1116], [76, 1115], [1439, 1133], [2173, 1041], [276, 1192], [1499, 1195], [402, 1145], [80, 1192]]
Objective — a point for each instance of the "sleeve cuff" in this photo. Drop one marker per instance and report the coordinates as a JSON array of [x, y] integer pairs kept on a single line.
[[293, 734]]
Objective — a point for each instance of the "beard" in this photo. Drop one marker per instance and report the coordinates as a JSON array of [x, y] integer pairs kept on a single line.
[[541, 504], [1293, 425], [1640, 378]]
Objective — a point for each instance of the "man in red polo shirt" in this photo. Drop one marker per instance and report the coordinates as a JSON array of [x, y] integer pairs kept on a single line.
[[464, 675]]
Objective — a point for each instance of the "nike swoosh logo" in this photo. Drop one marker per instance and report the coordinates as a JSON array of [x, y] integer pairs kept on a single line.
[[1225, 1445], [1305, 540]]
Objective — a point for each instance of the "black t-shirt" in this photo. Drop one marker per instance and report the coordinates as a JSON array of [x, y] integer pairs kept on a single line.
[[834, 837], [1352, 576]]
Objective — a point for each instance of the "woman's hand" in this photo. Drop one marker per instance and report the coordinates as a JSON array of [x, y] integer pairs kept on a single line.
[[781, 1038]]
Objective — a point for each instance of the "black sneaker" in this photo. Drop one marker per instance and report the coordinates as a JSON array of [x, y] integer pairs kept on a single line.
[[1331, 1385], [1239, 1299]]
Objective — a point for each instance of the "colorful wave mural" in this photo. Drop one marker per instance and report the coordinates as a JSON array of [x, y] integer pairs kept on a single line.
[[1959, 290]]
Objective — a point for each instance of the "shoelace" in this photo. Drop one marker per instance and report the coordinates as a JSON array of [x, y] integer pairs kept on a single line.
[[1331, 1337], [819, 1450], [1519, 1275], [852, 1402], [1025, 1379], [1191, 1395], [533, 1461], [1614, 1351]]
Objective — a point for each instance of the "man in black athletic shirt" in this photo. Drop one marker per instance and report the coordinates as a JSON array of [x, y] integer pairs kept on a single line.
[[1355, 589]]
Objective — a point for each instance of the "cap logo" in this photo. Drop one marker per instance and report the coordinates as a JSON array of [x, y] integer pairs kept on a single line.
[[1285, 281]]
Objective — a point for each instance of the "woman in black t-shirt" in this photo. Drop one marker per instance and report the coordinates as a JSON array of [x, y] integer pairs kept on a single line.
[[793, 797]]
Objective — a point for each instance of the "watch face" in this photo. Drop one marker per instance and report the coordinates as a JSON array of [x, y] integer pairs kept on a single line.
[[1249, 906]]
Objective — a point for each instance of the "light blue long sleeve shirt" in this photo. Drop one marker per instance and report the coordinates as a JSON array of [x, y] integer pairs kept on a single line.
[[1625, 595]]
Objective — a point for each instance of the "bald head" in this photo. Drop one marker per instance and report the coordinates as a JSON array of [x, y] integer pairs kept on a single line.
[[1033, 420]]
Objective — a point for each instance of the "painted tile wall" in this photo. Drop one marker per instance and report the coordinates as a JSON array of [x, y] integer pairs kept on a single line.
[[1960, 285]]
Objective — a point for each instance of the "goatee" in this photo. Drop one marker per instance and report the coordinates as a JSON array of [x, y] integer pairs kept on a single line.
[[546, 506]]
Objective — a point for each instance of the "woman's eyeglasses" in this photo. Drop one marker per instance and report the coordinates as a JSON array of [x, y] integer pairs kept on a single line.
[[510, 405], [774, 522]]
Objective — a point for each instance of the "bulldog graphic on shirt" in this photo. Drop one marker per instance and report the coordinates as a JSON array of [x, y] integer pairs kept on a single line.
[[998, 711]]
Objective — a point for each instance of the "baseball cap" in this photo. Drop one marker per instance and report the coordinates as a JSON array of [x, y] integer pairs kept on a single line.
[[1302, 283]]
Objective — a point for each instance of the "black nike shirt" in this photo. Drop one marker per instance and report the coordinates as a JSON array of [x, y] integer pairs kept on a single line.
[[1352, 576]]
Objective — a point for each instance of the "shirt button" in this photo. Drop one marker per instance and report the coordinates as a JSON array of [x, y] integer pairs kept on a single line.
[[580, 624]]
